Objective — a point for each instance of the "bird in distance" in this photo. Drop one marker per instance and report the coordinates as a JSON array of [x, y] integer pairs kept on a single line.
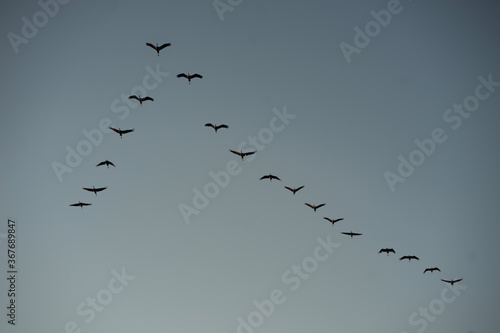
[[351, 234], [80, 204], [294, 189], [451, 281], [241, 153], [409, 258], [189, 77], [120, 131], [270, 177], [141, 99], [95, 190], [158, 48], [387, 251], [315, 207], [106, 163], [216, 128], [333, 221], [432, 269]]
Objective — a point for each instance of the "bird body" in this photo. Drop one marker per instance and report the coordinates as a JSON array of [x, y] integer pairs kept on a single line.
[[241, 153], [387, 251], [409, 258], [294, 190], [351, 234], [141, 99], [80, 204], [270, 177], [95, 190], [189, 77], [120, 131], [106, 163], [333, 221], [314, 207], [432, 269], [158, 48], [215, 127]]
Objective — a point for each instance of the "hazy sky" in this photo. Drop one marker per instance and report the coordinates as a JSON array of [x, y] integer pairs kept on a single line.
[[386, 111]]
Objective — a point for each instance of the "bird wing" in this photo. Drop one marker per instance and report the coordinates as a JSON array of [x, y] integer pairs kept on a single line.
[[310, 205], [88, 189], [437, 269], [457, 280], [326, 218], [415, 257], [210, 125], [147, 98], [320, 205], [102, 163], [347, 233], [164, 46], [222, 126], [355, 234], [274, 177], [299, 188], [151, 45], [100, 189], [134, 97], [235, 152], [127, 131], [381, 250], [249, 153], [114, 129], [403, 257], [338, 220], [109, 162], [182, 75], [427, 269], [264, 177], [447, 281], [392, 250], [196, 75]]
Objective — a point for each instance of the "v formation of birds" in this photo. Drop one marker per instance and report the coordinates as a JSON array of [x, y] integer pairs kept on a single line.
[[242, 154]]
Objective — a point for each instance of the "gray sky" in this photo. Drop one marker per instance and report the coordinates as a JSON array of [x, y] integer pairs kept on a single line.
[[395, 128]]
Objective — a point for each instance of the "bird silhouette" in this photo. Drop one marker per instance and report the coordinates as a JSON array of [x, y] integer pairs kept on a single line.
[[387, 251], [351, 234], [242, 154], [106, 163], [158, 48], [216, 128], [80, 204], [141, 99], [333, 221], [409, 258], [294, 190], [120, 131], [270, 177], [432, 269], [95, 190], [314, 207], [451, 281], [189, 77]]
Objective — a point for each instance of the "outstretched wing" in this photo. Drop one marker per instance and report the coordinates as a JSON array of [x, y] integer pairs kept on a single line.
[[414, 257], [249, 153], [151, 45], [288, 188], [235, 152], [211, 125], [265, 177], [114, 129], [330, 220], [147, 98], [221, 126], [274, 177], [196, 75], [309, 205], [437, 269], [338, 220], [299, 188], [127, 131], [454, 281], [88, 189], [347, 233], [134, 97], [163, 46], [447, 281], [403, 257], [355, 234], [182, 75], [320, 205], [102, 163], [392, 250], [100, 189], [427, 269]]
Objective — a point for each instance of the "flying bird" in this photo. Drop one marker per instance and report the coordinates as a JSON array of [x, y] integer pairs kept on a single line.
[[333, 221], [120, 131], [80, 204], [189, 77], [315, 207], [242, 154], [271, 177], [141, 99], [351, 233], [432, 269], [106, 163], [95, 190], [409, 258], [215, 127], [158, 48], [293, 189], [451, 281], [387, 251]]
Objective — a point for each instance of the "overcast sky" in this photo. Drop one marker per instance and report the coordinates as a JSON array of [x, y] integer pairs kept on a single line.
[[387, 111]]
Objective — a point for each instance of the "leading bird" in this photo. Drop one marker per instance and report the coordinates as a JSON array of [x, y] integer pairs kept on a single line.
[[120, 131], [270, 177], [409, 258], [189, 77], [95, 190], [80, 204], [158, 48], [294, 190], [315, 207], [141, 99]]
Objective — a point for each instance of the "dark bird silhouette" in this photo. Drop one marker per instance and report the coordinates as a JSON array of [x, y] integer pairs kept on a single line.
[[451, 281], [387, 251], [294, 189], [95, 190], [216, 128], [270, 177], [333, 221], [189, 77], [432, 269], [141, 99], [158, 48], [80, 204], [315, 207], [241, 153], [106, 163], [409, 258], [351, 233], [120, 131]]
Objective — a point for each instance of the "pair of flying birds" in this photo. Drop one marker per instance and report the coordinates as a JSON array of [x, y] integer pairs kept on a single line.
[[93, 189]]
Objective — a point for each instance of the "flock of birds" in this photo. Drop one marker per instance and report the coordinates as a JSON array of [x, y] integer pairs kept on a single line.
[[242, 154]]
